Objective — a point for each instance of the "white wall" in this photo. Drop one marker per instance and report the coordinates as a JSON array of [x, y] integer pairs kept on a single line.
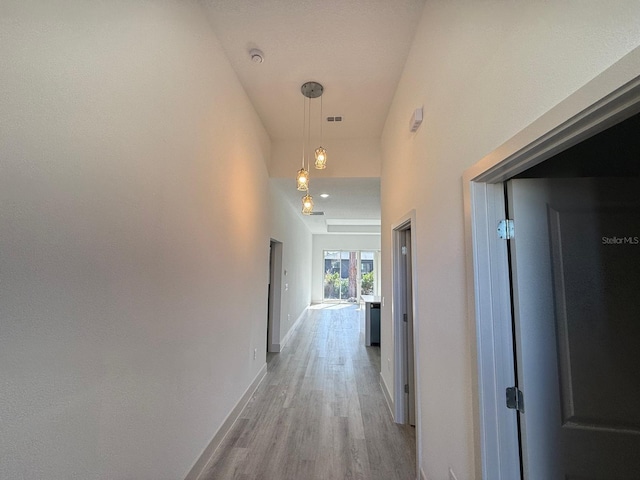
[[288, 228], [356, 157], [335, 242], [134, 240], [483, 71]]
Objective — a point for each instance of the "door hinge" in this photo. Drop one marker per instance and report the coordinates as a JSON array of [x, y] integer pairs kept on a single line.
[[505, 229], [406, 388], [515, 399], [404, 317], [404, 250]]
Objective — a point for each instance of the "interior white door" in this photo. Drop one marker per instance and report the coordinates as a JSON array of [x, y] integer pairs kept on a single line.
[[576, 273]]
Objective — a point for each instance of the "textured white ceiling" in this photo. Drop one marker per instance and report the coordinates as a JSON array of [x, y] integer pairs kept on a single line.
[[355, 48]]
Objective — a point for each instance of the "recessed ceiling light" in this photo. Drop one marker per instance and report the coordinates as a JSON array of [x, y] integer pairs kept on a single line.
[[324, 195]]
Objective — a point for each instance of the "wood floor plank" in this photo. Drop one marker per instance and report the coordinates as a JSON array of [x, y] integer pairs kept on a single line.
[[319, 414]]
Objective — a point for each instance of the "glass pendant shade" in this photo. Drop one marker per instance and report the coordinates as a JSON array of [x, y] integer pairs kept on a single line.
[[307, 204], [302, 180], [321, 158]]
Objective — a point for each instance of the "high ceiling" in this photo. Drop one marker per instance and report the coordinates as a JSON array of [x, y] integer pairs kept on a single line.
[[353, 204], [355, 48]]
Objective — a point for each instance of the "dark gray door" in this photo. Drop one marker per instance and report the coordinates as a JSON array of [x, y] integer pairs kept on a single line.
[[576, 279]]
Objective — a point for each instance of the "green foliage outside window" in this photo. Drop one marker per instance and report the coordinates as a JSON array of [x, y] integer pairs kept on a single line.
[[332, 285], [367, 283], [336, 287]]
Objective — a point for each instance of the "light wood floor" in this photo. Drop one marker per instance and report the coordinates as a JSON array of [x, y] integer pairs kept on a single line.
[[319, 414]]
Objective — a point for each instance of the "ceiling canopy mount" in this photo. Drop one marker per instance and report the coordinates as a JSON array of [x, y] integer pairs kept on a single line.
[[312, 89]]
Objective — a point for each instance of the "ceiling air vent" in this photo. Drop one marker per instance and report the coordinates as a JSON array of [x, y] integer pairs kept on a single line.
[[316, 213], [334, 119]]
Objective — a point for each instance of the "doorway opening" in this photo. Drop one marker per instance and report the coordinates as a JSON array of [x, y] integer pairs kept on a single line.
[[592, 110], [575, 274], [274, 302], [404, 323]]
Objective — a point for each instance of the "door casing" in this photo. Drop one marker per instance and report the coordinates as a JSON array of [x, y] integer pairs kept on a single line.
[[405, 344], [399, 299], [275, 296], [606, 100]]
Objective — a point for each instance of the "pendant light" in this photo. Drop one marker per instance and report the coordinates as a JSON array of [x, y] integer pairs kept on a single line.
[[321, 153], [309, 90], [307, 204], [302, 178], [321, 158]]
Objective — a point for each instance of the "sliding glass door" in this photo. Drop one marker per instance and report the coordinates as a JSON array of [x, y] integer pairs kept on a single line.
[[339, 281], [349, 274]]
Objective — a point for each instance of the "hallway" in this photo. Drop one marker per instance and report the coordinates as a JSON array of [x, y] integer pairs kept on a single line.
[[319, 413]]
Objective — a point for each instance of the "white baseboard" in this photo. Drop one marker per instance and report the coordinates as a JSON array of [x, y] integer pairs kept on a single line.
[[295, 325], [277, 347], [387, 396], [203, 462]]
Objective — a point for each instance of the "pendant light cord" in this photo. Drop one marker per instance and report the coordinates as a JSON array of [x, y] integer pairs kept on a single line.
[[309, 135], [321, 120], [304, 127]]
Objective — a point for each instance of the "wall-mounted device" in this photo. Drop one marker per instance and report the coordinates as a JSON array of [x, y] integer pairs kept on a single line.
[[416, 119]]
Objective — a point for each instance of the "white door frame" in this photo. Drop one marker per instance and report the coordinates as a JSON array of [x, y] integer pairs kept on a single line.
[[608, 99], [399, 300], [275, 300], [399, 347]]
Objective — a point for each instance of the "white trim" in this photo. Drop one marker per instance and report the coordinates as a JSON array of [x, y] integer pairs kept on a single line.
[[408, 220], [398, 295], [275, 279], [205, 458], [387, 395], [606, 100], [488, 275], [295, 325], [423, 476]]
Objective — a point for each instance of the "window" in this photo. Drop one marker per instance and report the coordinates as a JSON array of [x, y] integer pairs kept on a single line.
[[350, 274]]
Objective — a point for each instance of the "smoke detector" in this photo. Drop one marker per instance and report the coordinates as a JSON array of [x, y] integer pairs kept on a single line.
[[256, 55]]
